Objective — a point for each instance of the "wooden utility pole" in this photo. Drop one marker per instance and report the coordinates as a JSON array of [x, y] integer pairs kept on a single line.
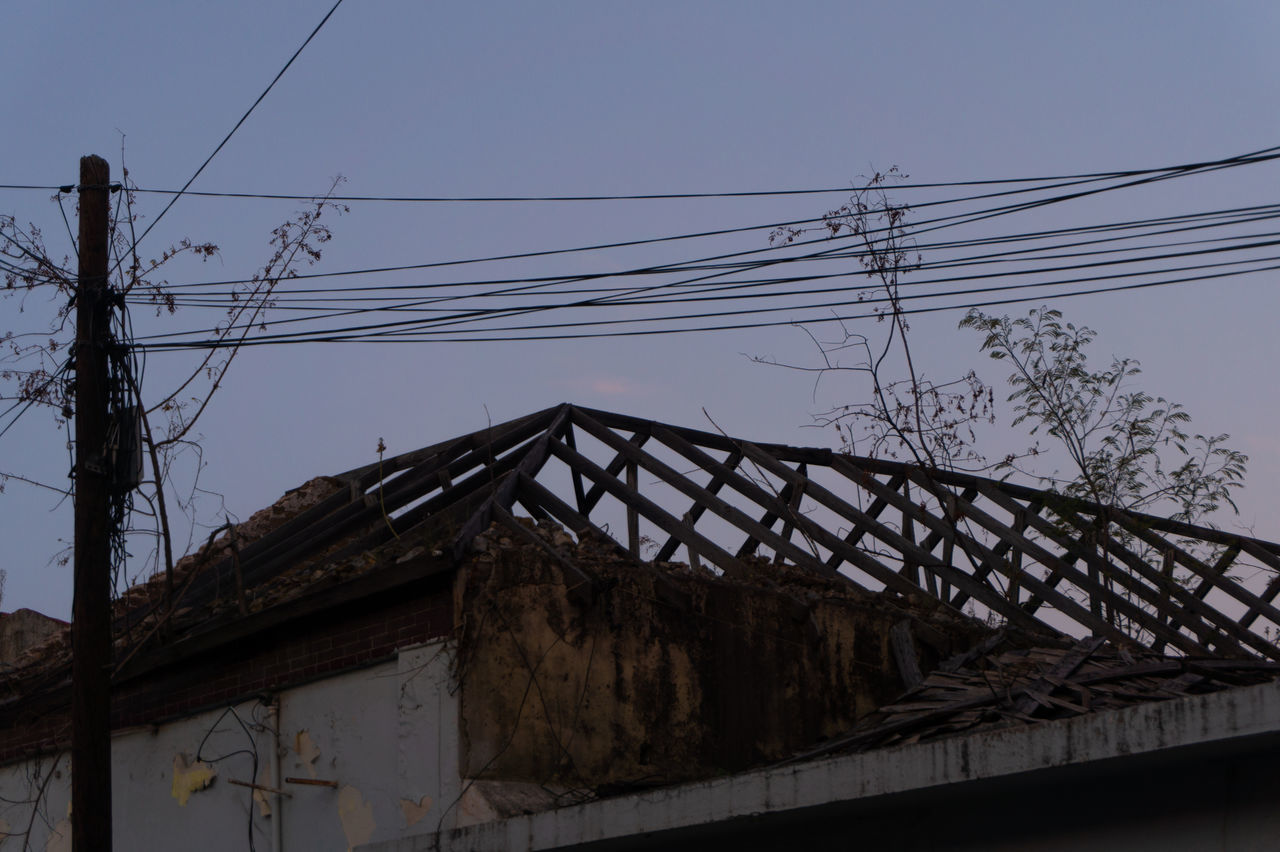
[[90, 616]]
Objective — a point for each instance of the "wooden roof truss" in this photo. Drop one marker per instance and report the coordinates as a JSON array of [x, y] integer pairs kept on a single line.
[[1004, 552]]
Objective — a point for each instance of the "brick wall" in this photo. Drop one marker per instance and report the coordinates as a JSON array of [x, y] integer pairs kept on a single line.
[[287, 655]]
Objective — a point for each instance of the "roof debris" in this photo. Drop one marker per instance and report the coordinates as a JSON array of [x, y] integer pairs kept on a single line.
[[1090, 607], [993, 686]]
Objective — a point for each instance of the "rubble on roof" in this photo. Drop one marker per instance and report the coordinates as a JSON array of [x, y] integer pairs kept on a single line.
[[224, 541], [840, 582], [993, 686], [31, 662], [1008, 553]]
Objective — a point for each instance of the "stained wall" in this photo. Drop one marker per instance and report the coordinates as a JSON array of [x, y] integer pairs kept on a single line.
[[381, 741]]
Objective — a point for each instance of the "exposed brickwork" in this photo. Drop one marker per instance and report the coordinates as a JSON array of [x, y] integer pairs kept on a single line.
[[287, 656]]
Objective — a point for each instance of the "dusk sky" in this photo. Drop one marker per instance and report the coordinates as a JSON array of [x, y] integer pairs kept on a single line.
[[603, 98]]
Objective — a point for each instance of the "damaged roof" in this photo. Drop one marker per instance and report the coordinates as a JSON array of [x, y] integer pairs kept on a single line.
[[1156, 592], [990, 687], [1008, 553]]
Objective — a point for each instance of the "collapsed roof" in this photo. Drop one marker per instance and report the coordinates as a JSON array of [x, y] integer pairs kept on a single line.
[[1017, 558], [1010, 554]]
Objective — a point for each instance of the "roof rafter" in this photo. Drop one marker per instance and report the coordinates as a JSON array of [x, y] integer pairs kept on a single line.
[[1001, 551]]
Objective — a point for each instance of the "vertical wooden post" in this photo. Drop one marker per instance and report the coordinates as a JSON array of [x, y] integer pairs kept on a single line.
[[90, 618], [633, 517]]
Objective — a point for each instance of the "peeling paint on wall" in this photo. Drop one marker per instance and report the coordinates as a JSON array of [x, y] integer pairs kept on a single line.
[[60, 835], [261, 797], [189, 778], [356, 815], [414, 811], [307, 751]]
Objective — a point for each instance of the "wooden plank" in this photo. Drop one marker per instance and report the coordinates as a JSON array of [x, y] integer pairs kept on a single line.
[[1264, 605], [503, 495], [704, 439], [751, 544], [754, 492], [579, 494], [910, 568], [482, 518], [892, 538], [987, 594], [669, 548], [530, 490], [905, 655], [823, 537], [877, 506], [700, 495], [1063, 603], [633, 517], [311, 530], [1219, 569], [646, 507], [527, 425], [1257, 605], [1214, 628], [1087, 583], [792, 503], [1072, 660], [938, 533], [459, 504], [1001, 548], [614, 467], [1024, 492]]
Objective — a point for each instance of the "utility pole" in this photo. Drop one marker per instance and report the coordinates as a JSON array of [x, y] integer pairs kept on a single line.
[[90, 616]]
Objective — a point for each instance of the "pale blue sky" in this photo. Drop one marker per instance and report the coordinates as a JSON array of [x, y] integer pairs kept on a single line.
[[421, 98]]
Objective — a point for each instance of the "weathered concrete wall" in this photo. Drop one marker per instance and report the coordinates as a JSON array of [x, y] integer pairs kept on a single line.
[[665, 673], [23, 629], [385, 736]]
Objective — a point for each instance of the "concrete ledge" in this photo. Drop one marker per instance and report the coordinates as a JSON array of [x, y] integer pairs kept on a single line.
[[1209, 720]]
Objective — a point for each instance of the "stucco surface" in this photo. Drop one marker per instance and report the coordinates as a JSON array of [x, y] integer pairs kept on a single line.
[[381, 735]]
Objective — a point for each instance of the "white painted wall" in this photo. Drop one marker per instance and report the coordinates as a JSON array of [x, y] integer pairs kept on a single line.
[[387, 735], [1194, 774]]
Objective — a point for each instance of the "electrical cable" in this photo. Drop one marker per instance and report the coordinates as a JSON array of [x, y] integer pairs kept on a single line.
[[242, 120], [701, 288], [771, 226], [71, 237], [616, 299], [663, 299], [386, 334], [288, 299], [1258, 156]]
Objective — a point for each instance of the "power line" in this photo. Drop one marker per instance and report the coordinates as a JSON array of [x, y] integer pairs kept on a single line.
[[243, 118], [1261, 155], [770, 226], [775, 226], [658, 294], [417, 331], [478, 320], [1258, 156], [655, 196], [1038, 252]]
